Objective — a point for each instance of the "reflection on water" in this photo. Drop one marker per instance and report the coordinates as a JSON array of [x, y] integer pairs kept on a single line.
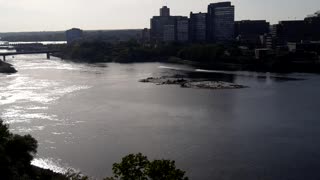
[[88, 116]]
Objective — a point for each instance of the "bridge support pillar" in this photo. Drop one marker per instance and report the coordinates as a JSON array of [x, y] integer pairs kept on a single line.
[[48, 55], [4, 58]]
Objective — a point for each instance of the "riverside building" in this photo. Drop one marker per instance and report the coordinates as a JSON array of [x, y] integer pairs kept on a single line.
[[220, 22]]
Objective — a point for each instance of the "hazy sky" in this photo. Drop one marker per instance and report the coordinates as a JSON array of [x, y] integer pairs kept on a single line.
[[47, 15]]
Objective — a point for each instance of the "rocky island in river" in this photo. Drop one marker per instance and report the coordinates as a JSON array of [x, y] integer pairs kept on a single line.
[[192, 83]]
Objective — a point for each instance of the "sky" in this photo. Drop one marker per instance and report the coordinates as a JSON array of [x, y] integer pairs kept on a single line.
[[51, 15]]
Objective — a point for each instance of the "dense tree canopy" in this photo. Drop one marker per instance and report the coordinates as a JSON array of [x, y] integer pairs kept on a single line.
[[16, 153], [138, 167]]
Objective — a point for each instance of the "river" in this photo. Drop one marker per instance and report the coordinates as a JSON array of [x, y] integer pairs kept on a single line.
[[88, 116]]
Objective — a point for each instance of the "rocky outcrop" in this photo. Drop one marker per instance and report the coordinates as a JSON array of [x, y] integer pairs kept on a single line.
[[192, 83], [6, 68]]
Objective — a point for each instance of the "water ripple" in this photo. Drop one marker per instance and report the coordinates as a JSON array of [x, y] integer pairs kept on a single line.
[[17, 115], [29, 130]]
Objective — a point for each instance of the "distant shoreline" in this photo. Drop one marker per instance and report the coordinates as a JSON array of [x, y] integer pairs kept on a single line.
[[202, 56]]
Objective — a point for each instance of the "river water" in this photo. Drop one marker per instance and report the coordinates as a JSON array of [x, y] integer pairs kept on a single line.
[[88, 116]]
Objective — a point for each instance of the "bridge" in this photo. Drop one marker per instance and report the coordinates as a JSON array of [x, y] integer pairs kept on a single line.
[[7, 47], [48, 52]]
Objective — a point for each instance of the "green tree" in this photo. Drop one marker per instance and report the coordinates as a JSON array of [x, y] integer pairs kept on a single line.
[[131, 167], [138, 167], [164, 169], [16, 153]]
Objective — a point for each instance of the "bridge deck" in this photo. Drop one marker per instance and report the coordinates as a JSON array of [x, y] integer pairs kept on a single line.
[[26, 52], [4, 54]]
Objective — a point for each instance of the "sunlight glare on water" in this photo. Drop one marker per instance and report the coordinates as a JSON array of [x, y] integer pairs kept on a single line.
[[50, 163]]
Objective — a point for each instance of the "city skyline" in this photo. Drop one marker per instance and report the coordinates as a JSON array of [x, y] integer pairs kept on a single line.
[[42, 15]]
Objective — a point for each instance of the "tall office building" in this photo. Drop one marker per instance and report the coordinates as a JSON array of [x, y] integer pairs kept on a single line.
[[198, 27], [169, 33], [220, 22], [73, 35], [157, 28], [164, 28], [183, 29], [158, 23], [165, 11]]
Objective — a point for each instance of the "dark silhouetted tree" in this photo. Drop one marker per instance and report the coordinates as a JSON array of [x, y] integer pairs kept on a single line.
[[16, 154], [138, 167], [164, 169]]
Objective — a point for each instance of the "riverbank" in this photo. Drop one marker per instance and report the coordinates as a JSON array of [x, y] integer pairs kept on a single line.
[[6, 68]]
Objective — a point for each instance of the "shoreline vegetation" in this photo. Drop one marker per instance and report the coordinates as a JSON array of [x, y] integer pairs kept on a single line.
[[204, 56], [6, 68]]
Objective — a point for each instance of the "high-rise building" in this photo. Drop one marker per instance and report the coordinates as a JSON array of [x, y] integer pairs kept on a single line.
[[183, 29], [165, 11], [249, 32], [158, 24], [198, 27], [220, 22], [73, 35], [164, 28], [169, 33]]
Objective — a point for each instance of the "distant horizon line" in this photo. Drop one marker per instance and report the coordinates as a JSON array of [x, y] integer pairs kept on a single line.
[[70, 28]]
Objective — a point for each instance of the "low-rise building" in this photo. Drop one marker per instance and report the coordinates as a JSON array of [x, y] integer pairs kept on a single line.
[[263, 53], [313, 46], [145, 35]]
